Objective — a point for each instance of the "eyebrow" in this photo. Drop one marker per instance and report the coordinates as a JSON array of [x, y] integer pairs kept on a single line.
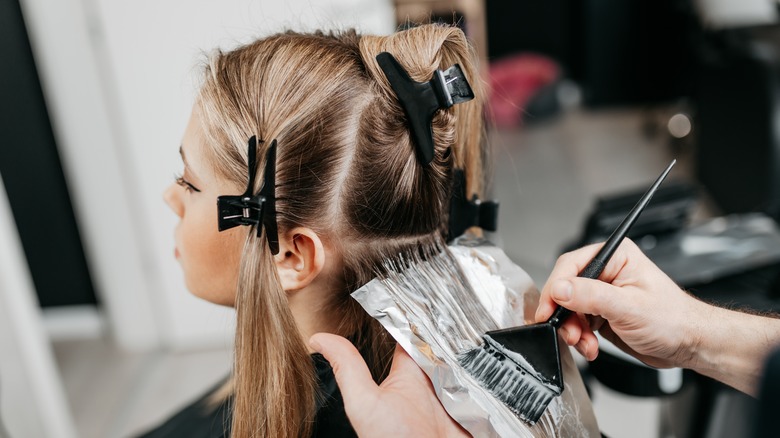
[[184, 158], [187, 167], [181, 152]]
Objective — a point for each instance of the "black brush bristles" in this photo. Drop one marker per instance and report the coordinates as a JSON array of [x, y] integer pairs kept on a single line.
[[526, 388], [517, 387]]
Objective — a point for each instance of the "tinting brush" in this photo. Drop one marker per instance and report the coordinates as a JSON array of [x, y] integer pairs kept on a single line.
[[521, 366]]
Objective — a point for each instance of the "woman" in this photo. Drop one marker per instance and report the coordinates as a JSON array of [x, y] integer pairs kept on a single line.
[[344, 192]]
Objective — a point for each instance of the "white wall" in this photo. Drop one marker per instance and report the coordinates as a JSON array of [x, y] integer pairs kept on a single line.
[[143, 57], [62, 43], [32, 401]]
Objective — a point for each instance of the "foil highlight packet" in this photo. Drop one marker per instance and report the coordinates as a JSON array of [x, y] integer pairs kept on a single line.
[[434, 319]]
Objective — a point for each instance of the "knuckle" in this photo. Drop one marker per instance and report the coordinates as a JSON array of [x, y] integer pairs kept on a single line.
[[630, 244], [565, 259]]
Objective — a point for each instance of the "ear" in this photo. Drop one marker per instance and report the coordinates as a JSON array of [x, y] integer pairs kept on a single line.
[[301, 258]]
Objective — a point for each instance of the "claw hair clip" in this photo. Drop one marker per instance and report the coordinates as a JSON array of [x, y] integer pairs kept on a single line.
[[466, 213], [249, 209], [421, 100]]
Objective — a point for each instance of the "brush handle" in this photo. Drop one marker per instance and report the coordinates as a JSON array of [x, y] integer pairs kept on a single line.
[[594, 268]]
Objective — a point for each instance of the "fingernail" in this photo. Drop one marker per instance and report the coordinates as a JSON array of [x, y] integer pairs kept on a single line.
[[561, 291], [314, 344]]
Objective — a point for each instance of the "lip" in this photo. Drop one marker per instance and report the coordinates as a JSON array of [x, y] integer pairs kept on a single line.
[[176, 253]]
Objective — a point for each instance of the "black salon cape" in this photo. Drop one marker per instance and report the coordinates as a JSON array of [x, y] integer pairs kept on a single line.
[[197, 421]]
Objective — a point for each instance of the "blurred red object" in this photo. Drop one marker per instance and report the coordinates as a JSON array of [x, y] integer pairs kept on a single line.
[[514, 81]]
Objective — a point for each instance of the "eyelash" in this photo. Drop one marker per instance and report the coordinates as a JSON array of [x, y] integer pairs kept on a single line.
[[184, 183]]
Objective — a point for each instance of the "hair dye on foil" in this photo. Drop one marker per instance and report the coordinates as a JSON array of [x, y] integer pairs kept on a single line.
[[439, 306]]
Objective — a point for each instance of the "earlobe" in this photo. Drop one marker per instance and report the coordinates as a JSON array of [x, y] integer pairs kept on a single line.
[[301, 258]]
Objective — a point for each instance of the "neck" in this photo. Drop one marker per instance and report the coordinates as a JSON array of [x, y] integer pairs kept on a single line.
[[308, 305]]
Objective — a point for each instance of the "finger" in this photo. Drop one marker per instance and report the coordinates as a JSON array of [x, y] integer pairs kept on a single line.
[[584, 320], [403, 363], [574, 328], [569, 265], [569, 333], [625, 252], [572, 263], [593, 297], [545, 309], [587, 328], [588, 345], [349, 368], [554, 291]]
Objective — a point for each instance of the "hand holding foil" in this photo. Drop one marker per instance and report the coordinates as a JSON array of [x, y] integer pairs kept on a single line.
[[404, 404]]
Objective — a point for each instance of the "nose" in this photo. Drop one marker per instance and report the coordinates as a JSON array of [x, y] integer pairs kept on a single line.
[[172, 197]]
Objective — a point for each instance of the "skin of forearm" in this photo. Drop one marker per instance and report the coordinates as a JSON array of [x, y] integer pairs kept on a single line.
[[732, 346]]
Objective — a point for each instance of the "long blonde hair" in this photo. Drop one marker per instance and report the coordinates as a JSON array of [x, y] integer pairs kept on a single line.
[[346, 168]]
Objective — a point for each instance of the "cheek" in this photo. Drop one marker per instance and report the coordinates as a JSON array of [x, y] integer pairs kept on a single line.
[[209, 259]]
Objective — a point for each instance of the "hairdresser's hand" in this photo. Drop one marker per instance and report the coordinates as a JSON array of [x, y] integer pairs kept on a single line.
[[403, 405], [633, 304]]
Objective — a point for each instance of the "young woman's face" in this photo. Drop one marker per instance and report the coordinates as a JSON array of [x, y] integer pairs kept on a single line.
[[209, 258]]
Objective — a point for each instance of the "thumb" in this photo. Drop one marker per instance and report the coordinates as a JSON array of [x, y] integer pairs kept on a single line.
[[591, 297], [403, 364], [349, 368]]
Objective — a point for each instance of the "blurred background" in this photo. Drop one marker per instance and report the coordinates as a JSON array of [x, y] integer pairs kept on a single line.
[[589, 101]]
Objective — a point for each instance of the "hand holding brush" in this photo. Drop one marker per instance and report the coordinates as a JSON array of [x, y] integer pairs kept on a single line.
[[644, 313], [634, 305], [521, 366]]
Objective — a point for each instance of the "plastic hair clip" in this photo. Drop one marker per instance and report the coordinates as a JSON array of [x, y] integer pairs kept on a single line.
[[465, 213], [248, 209], [421, 100]]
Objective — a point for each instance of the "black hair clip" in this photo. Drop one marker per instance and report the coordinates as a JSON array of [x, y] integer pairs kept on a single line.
[[465, 213], [421, 100], [248, 209]]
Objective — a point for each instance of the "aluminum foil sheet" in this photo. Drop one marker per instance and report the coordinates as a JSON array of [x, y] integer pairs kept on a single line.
[[439, 307]]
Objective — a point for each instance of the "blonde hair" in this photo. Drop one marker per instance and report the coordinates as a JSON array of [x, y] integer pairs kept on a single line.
[[347, 169]]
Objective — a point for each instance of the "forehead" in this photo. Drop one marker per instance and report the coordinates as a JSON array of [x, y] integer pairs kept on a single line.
[[197, 158], [192, 146]]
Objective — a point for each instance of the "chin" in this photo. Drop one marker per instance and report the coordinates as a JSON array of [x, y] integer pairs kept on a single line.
[[218, 299]]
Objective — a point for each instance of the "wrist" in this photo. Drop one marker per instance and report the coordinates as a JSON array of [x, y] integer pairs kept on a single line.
[[696, 350], [705, 339], [732, 347]]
